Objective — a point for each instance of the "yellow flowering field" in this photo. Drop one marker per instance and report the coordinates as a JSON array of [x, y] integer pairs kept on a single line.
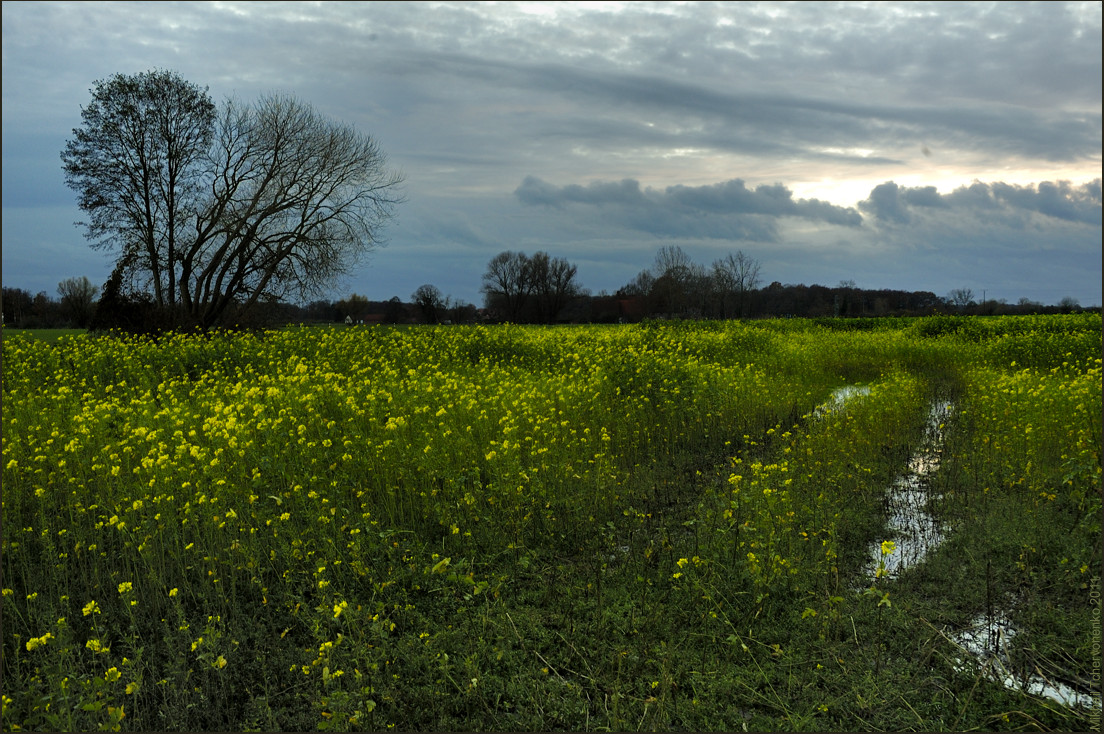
[[650, 526]]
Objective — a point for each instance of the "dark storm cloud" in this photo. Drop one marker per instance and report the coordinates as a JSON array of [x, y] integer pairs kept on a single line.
[[728, 210], [534, 191], [769, 199], [892, 204], [889, 202], [1059, 200]]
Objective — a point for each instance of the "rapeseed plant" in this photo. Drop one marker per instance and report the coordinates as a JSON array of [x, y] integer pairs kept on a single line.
[[407, 464]]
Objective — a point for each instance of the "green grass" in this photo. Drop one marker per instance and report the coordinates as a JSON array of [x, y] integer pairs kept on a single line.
[[46, 335], [510, 528]]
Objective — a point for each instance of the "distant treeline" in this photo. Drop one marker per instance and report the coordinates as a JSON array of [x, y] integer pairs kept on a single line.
[[22, 309]]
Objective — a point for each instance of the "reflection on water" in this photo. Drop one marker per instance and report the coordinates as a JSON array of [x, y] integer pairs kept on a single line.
[[916, 533], [911, 527], [839, 398], [987, 640]]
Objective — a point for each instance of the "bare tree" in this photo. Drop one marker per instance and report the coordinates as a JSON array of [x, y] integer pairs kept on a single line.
[[430, 302], [460, 311], [135, 164], [259, 202], [293, 200], [393, 311], [552, 283], [17, 305], [1069, 304], [78, 298], [735, 276], [961, 297], [672, 261], [507, 283], [844, 300], [640, 286], [677, 280]]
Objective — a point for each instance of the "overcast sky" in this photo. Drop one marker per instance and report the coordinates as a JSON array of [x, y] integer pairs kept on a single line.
[[919, 146]]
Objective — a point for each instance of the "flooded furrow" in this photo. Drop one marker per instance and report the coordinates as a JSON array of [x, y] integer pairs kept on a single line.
[[915, 533], [987, 640]]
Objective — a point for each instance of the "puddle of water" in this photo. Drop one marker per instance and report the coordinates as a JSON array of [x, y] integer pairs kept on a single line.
[[987, 641], [838, 399], [913, 530], [916, 533]]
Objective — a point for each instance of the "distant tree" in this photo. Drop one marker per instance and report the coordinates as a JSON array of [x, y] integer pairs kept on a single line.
[[552, 285], [672, 260], [461, 312], [78, 297], [321, 310], [430, 302], [638, 287], [17, 306], [961, 298], [507, 284], [393, 310], [1069, 304], [354, 305], [211, 212], [735, 276], [45, 313], [844, 299], [678, 282]]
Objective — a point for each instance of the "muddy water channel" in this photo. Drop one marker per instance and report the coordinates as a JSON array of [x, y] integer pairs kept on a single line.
[[914, 533]]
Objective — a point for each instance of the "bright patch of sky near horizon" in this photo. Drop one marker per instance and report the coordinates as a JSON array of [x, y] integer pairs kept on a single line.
[[830, 141]]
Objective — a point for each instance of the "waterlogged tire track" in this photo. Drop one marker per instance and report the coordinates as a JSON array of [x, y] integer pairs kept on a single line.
[[912, 530], [913, 533]]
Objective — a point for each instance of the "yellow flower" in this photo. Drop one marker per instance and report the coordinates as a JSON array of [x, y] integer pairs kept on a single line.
[[339, 608], [125, 587], [96, 646], [173, 591], [91, 608], [36, 642], [888, 547], [220, 662], [112, 675], [132, 688]]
